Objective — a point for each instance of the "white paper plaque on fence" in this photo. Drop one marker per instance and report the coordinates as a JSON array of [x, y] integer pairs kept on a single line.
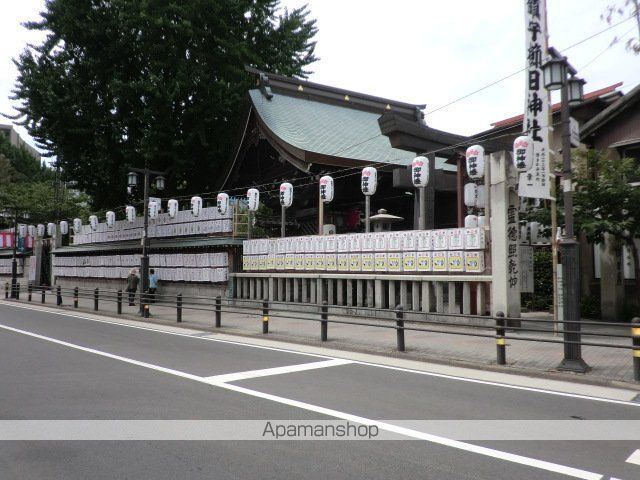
[[367, 242], [439, 261], [424, 240], [309, 261], [409, 261], [331, 262], [271, 261], [330, 244], [355, 242], [343, 262], [380, 262], [474, 262], [318, 244], [455, 261], [380, 242], [308, 244], [455, 238], [280, 262], [423, 261], [394, 262], [394, 242], [320, 262], [474, 239], [343, 243], [439, 238], [355, 262], [368, 263], [299, 261], [290, 261], [409, 241]]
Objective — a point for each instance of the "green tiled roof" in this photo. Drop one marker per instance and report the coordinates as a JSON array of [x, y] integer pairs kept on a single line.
[[327, 129]]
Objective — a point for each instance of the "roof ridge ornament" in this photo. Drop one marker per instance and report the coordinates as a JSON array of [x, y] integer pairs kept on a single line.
[[265, 88]]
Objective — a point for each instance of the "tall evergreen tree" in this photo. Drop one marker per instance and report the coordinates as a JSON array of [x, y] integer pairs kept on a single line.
[[117, 83]]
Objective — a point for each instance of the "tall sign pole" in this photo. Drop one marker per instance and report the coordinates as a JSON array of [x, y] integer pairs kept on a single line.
[[534, 183]]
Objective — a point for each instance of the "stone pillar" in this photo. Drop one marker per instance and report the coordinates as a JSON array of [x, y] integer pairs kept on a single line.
[[453, 308], [331, 300], [272, 290], [466, 298], [359, 293], [415, 296], [340, 294], [505, 288], [350, 293], [392, 295], [379, 294], [370, 293], [439, 297], [426, 296], [403, 295]]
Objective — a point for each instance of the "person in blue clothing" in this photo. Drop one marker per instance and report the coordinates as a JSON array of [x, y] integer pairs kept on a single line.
[[153, 285]]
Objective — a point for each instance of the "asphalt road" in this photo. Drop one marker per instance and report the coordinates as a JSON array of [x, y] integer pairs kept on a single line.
[[61, 366]]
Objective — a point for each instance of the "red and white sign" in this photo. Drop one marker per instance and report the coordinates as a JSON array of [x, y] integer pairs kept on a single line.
[[420, 172], [326, 189], [286, 195], [369, 180]]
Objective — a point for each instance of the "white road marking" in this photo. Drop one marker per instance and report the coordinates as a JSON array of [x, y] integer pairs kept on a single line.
[[266, 372], [634, 458], [355, 362], [489, 452]]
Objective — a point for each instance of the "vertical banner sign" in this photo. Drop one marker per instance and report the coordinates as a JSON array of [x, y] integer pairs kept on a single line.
[[513, 263], [534, 183]]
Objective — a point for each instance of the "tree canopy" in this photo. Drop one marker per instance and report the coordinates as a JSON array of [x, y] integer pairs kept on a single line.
[[28, 187], [121, 83]]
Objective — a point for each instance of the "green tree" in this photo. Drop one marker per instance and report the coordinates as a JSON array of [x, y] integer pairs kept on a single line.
[[606, 202], [120, 83]]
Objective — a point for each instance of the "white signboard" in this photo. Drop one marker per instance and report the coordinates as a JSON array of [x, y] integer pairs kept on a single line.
[[526, 269], [534, 183]]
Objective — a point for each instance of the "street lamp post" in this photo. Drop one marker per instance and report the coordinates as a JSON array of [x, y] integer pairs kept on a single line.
[[555, 77], [144, 259]]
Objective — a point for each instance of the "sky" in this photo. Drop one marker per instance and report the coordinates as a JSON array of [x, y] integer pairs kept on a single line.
[[421, 51]]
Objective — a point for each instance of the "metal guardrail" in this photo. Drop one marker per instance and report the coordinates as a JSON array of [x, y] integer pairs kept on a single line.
[[500, 328]]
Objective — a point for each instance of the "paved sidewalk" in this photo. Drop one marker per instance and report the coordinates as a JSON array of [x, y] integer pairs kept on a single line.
[[609, 365]]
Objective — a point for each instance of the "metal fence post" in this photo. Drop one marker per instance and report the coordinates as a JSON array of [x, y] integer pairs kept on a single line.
[[218, 311], [96, 296], [501, 347], [29, 291], [119, 301], [179, 308], [17, 291], [75, 297], [324, 317], [43, 294], [635, 338], [265, 317], [400, 327], [59, 295]]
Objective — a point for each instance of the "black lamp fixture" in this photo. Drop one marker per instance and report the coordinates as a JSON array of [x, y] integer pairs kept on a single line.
[[554, 73], [576, 87]]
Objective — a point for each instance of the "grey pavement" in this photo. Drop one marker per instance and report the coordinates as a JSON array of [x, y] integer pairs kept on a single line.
[[56, 366], [609, 365]]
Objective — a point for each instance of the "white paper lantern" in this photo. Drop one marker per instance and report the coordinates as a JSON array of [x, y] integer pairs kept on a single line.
[[470, 221], [482, 220], [111, 218], [51, 229], [369, 180], [470, 194], [22, 231], [77, 225], [130, 210], [153, 209], [222, 202], [286, 195], [326, 189], [31, 230], [93, 222], [420, 172], [173, 207], [196, 206], [253, 199], [64, 227], [523, 153], [481, 199], [41, 230], [475, 162]]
